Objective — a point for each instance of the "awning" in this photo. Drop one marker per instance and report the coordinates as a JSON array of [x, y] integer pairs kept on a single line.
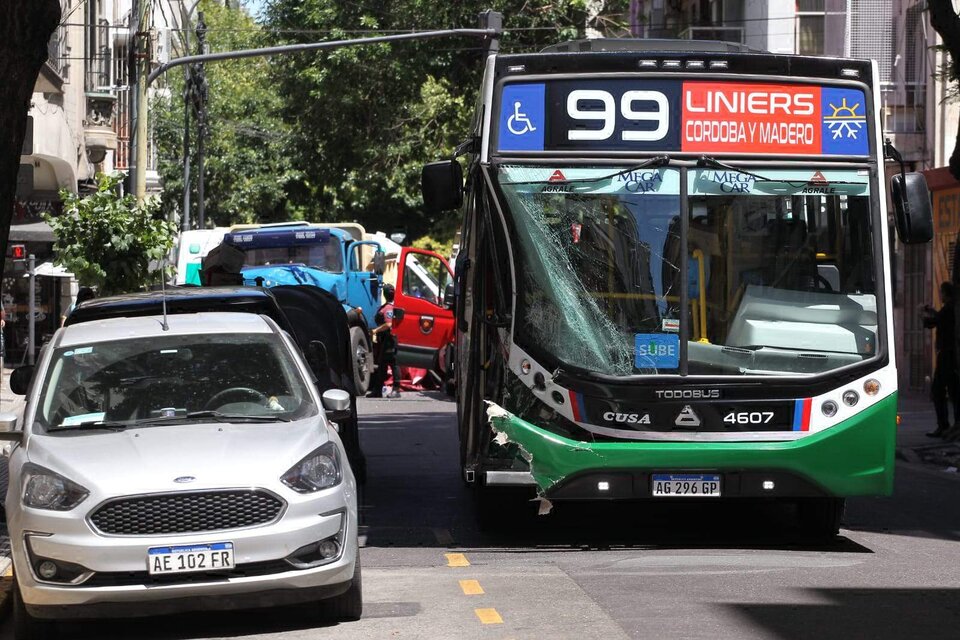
[[33, 232], [50, 270]]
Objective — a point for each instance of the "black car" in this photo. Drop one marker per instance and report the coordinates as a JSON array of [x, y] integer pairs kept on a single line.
[[314, 318]]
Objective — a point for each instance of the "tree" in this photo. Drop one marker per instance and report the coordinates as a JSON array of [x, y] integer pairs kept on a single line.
[[248, 164], [109, 241], [369, 117], [946, 22], [25, 29]]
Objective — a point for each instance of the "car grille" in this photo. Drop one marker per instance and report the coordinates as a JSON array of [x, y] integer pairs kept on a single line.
[[187, 512]]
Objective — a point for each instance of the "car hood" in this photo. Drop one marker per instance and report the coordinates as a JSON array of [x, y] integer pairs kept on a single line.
[[150, 458]]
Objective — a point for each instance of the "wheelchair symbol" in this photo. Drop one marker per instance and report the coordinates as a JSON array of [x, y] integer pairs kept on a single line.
[[519, 118]]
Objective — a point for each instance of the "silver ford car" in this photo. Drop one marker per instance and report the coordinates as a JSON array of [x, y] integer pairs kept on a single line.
[[176, 466]]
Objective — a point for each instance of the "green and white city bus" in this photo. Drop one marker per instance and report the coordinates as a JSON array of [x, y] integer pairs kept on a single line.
[[674, 278]]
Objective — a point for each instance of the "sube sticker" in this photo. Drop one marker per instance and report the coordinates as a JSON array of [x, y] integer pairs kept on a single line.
[[657, 351]]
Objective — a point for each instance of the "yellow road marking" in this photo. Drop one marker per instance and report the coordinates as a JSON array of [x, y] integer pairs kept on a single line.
[[457, 560], [471, 588], [488, 616]]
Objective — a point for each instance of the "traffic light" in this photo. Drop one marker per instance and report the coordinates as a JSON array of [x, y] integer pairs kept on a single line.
[[18, 251]]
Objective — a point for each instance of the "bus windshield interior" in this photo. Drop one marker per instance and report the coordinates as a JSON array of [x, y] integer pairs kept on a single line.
[[780, 269]]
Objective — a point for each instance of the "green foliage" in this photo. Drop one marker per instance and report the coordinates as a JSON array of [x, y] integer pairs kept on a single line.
[[109, 241], [249, 168], [369, 117]]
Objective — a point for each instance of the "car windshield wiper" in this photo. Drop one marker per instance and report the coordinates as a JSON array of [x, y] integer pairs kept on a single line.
[[657, 161], [230, 417], [91, 425], [713, 163]]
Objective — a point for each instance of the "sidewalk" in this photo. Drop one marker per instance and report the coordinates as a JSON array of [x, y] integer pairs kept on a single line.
[[916, 420]]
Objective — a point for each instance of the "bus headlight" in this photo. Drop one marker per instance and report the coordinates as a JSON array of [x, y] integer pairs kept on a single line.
[[871, 387], [850, 397], [829, 408]]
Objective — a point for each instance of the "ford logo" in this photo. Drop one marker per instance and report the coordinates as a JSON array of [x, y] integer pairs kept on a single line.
[[184, 479]]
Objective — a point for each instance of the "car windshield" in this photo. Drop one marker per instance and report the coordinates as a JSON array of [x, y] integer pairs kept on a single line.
[[171, 380], [780, 269], [323, 254]]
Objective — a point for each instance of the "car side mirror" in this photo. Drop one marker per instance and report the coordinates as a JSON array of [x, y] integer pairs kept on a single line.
[[336, 402], [20, 379], [442, 186], [379, 262], [8, 425], [448, 296], [912, 209], [398, 313]]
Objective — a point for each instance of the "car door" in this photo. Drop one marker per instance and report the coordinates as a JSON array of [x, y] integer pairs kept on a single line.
[[363, 287], [421, 323]]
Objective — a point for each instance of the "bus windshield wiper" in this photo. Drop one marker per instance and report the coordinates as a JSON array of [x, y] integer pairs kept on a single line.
[[658, 161]]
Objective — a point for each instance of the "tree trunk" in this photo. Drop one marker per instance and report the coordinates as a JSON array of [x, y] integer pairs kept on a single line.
[[25, 29], [946, 22]]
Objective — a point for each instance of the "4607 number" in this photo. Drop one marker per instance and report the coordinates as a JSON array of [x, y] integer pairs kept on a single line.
[[748, 417]]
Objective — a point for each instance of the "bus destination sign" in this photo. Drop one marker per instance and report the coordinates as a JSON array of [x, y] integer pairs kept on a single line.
[[686, 116]]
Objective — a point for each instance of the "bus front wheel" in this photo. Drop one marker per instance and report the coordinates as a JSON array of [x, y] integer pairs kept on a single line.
[[819, 518]]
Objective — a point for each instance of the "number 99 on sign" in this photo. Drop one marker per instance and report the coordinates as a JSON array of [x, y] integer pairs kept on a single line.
[[629, 109]]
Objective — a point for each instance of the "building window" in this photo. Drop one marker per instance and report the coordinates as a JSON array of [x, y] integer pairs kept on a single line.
[[811, 22]]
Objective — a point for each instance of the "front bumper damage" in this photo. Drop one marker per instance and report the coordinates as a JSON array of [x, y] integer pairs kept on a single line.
[[853, 458]]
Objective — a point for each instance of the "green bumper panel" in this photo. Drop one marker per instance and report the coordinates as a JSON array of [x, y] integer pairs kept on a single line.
[[853, 458]]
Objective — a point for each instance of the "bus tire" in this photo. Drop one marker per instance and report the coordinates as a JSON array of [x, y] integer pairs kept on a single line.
[[820, 517], [362, 360]]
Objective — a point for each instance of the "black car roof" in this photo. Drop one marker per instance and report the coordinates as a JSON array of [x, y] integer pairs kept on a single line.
[[181, 300]]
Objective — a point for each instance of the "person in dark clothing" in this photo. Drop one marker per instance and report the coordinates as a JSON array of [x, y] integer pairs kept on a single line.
[[946, 381], [385, 348]]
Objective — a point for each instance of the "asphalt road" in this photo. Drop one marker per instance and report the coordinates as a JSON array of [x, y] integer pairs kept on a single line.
[[625, 571]]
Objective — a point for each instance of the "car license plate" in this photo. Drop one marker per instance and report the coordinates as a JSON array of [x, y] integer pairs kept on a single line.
[[685, 485], [196, 557]]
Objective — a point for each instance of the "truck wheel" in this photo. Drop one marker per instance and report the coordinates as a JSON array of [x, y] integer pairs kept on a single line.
[[362, 360]]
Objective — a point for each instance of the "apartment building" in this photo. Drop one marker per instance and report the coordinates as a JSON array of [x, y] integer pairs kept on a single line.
[[78, 126], [915, 115]]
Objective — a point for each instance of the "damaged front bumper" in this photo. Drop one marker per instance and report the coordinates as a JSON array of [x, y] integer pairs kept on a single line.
[[853, 458]]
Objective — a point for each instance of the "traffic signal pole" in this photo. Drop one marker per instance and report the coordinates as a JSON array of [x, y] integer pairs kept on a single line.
[[490, 35]]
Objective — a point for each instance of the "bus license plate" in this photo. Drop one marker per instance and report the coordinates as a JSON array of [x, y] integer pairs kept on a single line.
[[197, 557], [685, 485]]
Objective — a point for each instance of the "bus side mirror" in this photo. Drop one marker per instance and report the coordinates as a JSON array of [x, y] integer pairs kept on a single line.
[[448, 296], [912, 210], [379, 262], [442, 186]]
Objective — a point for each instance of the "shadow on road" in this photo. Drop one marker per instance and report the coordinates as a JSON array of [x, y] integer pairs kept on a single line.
[[878, 614]]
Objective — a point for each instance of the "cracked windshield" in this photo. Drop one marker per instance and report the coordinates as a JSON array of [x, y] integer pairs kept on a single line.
[[780, 277], [172, 379]]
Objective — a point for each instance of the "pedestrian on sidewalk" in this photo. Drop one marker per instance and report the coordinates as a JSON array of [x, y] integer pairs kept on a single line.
[[946, 381], [385, 348]]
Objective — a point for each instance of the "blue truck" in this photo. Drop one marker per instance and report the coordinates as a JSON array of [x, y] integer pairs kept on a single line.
[[328, 258]]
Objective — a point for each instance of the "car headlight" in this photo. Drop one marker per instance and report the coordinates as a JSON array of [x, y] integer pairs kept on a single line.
[[319, 470], [45, 489]]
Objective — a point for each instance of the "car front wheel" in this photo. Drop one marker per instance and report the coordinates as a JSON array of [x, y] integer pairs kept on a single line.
[[349, 604], [25, 626]]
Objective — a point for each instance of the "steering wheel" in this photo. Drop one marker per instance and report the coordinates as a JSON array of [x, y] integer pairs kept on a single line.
[[217, 399]]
